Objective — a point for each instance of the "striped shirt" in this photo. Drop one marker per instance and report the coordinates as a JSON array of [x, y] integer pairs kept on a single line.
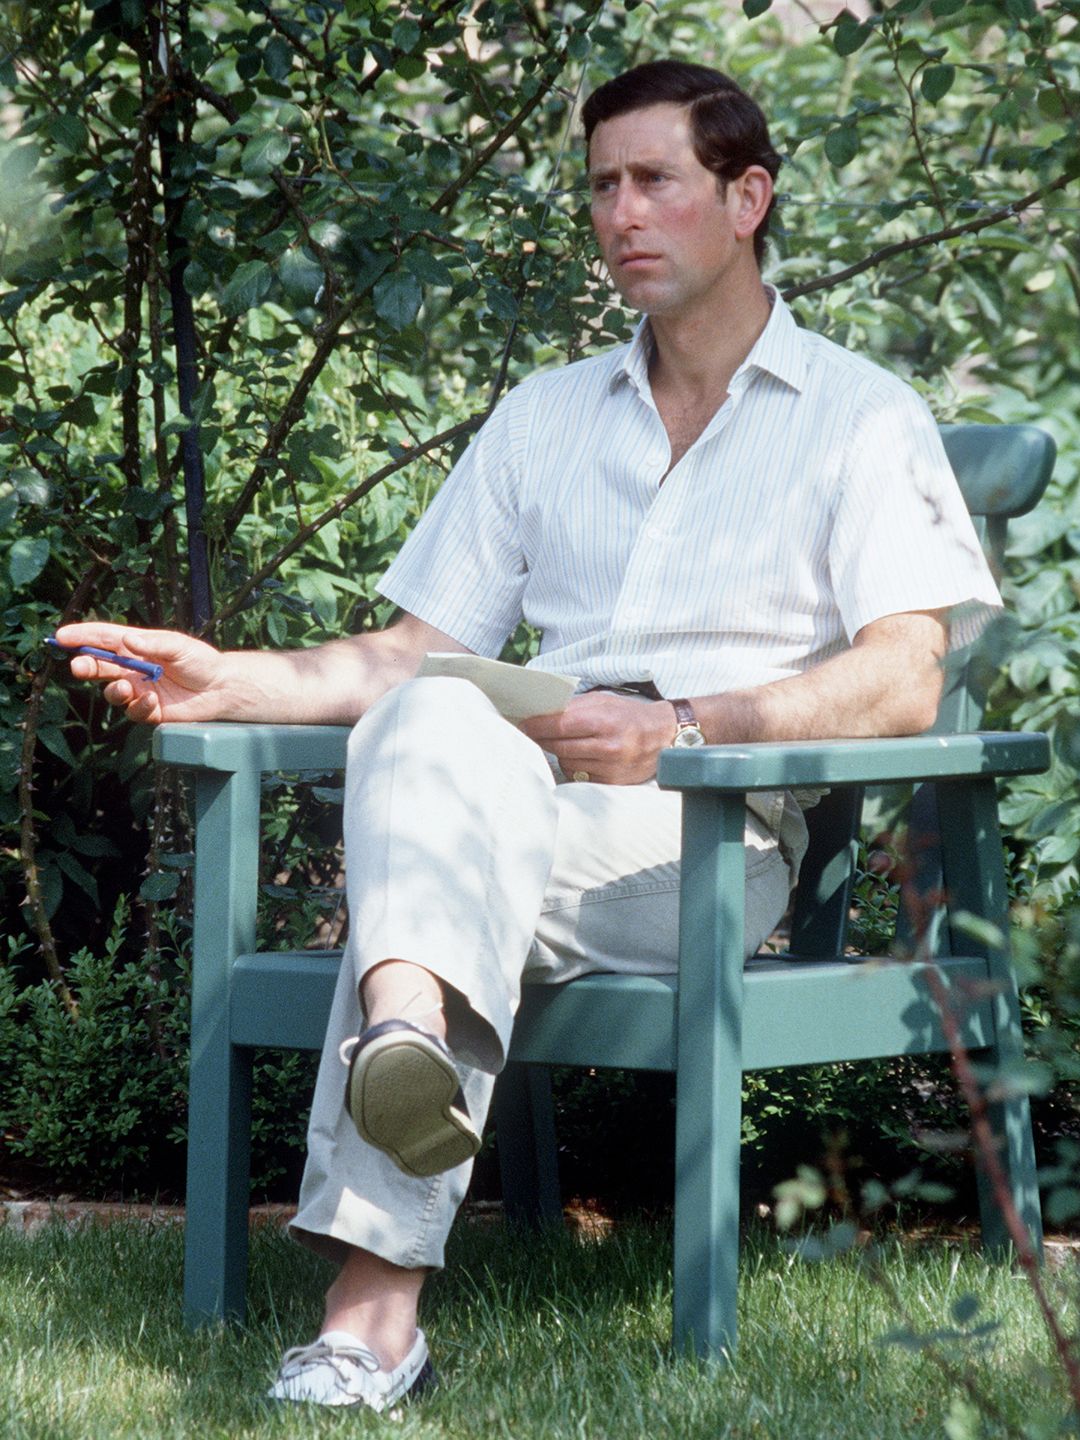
[[817, 500]]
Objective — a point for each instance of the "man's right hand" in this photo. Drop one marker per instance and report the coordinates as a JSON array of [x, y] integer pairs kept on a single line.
[[328, 684], [193, 686]]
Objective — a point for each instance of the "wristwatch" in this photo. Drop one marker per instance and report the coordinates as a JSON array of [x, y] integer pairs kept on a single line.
[[689, 731]]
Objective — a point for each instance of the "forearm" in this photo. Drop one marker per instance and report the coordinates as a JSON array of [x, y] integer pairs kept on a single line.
[[331, 684], [882, 685], [888, 683]]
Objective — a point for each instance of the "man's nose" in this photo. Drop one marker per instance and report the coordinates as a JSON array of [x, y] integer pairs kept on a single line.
[[626, 210]]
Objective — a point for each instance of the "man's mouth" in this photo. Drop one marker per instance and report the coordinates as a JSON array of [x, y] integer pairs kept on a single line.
[[636, 259]]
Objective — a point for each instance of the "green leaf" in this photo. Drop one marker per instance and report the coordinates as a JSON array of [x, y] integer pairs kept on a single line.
[[753, 8], [178, 860], [30, 487], [410, 67], [26, 559], [1050, 104], [398, 298], [159, 886], [1062, 1204], [265, 152], [1057, 849], [428, 268], [937, 81], [55, 741], [249, 286], [248, 63], [301, 275], [74, 871], [406, 34], [850, 36], [277, 58], [69, 132], [842, 145]]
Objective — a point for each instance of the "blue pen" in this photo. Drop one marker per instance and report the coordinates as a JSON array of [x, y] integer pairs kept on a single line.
[[144, 667]]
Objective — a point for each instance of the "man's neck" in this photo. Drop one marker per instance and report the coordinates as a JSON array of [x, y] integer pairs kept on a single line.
[[695, 355]]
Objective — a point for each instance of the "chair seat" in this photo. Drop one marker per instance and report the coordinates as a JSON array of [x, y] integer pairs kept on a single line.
[[795, 1012]]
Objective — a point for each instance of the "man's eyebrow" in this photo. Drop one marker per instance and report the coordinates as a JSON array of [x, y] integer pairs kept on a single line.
[[646, 165]]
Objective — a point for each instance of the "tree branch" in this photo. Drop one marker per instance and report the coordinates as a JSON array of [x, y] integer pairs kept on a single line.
[[983, 1137], [27, 836], [290, 414], [301, 538], [917, 242]]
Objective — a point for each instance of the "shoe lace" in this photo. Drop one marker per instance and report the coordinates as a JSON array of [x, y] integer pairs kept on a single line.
[[338, 1357]]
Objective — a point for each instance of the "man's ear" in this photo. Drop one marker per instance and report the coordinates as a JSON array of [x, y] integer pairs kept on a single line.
[[753, 193]]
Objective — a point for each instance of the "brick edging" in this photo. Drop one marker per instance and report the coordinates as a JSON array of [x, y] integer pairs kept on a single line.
[[29, 1216]]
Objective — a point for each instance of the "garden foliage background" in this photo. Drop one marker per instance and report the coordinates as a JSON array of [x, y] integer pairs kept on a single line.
[[264, 268]]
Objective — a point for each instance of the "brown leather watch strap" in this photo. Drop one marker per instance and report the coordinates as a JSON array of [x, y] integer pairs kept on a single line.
[[684, 712]]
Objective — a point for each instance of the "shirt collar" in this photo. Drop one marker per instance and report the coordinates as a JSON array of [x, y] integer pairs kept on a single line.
[[778, 350]]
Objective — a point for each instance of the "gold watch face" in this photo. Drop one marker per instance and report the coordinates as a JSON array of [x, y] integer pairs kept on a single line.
[[689, 735]]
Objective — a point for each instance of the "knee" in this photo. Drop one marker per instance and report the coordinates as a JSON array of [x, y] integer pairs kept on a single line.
[[431, 704]]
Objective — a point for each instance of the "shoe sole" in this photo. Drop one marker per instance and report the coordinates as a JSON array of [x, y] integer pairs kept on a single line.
[[400, 1095]]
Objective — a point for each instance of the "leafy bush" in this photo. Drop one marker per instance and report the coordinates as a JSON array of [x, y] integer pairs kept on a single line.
[[263, 271], [90, 1091]]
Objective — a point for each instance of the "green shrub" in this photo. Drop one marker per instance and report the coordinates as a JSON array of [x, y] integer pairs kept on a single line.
[[93, 1094], [376, 223]]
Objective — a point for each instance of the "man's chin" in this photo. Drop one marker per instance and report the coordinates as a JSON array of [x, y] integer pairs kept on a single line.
[[649, 298]]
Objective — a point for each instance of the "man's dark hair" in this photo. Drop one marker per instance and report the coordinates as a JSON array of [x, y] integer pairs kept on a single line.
[[728, 128]]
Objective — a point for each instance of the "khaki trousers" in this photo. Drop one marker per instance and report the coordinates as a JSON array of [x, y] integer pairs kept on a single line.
[[467, 853]]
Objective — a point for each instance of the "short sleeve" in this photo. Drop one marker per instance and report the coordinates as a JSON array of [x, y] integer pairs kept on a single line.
[[462, 568], [902, 538]]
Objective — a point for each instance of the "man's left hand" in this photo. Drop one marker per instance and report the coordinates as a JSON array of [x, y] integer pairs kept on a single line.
[[611, 739]]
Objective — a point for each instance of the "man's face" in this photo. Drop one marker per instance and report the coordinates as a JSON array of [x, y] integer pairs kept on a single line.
[[667, 229]]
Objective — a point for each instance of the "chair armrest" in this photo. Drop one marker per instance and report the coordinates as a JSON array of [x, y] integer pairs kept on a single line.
[[785, 765], [230, 747]]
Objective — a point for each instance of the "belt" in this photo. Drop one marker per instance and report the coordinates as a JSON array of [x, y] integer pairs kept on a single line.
[[630, 687]]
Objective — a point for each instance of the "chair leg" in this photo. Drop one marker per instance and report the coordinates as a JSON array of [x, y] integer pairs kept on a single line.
[[709, 1075], [974, 876], [525, 1133], [219, 1103], [1010, 1122], [216, 1226]]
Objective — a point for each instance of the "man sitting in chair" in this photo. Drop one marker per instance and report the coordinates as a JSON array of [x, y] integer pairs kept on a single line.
[[732, 530]]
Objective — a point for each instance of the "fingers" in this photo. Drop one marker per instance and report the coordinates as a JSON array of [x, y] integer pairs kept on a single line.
[[614, 740], [161, 646], [544, 729], [595, 713], [137, 698]]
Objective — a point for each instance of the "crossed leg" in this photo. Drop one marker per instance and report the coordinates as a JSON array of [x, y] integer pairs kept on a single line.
[[464, 855]]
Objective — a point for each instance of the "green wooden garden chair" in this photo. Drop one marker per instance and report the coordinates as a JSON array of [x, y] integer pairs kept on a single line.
[[718, 1018]]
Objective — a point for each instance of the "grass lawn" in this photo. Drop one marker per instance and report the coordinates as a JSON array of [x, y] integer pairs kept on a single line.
[[549, 1337]]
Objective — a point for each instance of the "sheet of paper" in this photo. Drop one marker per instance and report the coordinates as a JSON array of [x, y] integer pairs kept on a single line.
[[515, 692]]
